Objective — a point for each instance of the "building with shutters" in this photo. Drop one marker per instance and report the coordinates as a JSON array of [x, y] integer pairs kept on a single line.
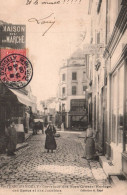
[[108, 84], [72, 87]]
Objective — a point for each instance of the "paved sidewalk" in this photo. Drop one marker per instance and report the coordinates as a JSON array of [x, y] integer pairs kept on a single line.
[[4, 159]]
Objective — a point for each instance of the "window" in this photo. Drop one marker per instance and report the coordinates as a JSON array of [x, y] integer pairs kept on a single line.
[[84, 88], [114, 107], [120, 106], [77, 105], [119, 5], [84, 76], [73, 90], [63, 107], [117, 105], [125, 119], [63, 91], [63, 77], [99, 6], [74, 75], [98, 38]]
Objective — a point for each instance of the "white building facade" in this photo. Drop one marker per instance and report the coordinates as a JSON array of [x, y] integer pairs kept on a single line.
[[72, 87]]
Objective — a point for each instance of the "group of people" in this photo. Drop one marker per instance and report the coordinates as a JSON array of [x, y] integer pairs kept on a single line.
[[50, 142], [11, 137], [89, 150]]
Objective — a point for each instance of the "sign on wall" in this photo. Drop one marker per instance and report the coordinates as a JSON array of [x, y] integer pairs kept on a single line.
[[77, 62], [78, 105], [13, 36]]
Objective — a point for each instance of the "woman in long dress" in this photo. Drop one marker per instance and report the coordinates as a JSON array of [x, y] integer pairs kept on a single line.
[[50, 143], [90, 144], [12, 137]]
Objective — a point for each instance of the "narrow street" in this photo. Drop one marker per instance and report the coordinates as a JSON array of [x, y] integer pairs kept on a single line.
[[34, 166]]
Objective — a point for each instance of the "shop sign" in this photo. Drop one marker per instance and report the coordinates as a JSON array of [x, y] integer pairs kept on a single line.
[[78, 106], [77, 61], [13, 36], [96, 49]]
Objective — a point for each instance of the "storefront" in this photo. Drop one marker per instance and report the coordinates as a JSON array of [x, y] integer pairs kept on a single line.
[[118, 100], [16, 105], [78, 114], [117, 113], [124, 153]]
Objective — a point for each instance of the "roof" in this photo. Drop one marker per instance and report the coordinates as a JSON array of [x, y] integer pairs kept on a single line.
[[78, 54]]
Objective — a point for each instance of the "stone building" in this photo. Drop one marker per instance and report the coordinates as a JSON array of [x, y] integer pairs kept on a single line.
[[107, 86], [72, 87], [17, 105], [97, 88]]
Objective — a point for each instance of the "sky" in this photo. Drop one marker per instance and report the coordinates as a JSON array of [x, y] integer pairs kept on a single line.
[[47, 52]]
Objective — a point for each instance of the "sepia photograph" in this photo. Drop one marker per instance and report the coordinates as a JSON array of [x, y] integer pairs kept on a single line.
[[63, 97]]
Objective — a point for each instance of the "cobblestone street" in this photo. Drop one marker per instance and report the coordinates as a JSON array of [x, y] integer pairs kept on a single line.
[[34, 166]]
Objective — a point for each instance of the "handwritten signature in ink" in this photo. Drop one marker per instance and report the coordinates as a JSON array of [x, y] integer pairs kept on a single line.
[[43, 21]]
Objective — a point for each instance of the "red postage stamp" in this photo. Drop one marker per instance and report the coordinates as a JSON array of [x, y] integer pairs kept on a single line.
[[15, 69]]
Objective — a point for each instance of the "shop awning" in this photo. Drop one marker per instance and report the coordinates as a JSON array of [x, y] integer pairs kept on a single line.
[[22, 98]]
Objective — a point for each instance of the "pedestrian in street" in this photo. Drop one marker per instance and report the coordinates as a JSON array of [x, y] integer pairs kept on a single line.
[[45, 122], [89, 144], [50, 143], [84, 135], [42, 126], [12, 137], [62, 126]]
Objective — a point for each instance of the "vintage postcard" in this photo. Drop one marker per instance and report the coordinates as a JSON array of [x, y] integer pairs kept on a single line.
[[63, 97]]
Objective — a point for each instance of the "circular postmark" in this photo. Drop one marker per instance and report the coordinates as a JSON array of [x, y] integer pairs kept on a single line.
[[16, 71]]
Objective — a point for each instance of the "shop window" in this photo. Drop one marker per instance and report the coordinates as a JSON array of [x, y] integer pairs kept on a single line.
[[118, 105], [114, 108], [74, 75], [73, 90], [77, 105], [125, 117]]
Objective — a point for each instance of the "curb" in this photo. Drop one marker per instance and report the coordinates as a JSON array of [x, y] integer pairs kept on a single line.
[[22, 146], [30, 135], [19, 146]]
